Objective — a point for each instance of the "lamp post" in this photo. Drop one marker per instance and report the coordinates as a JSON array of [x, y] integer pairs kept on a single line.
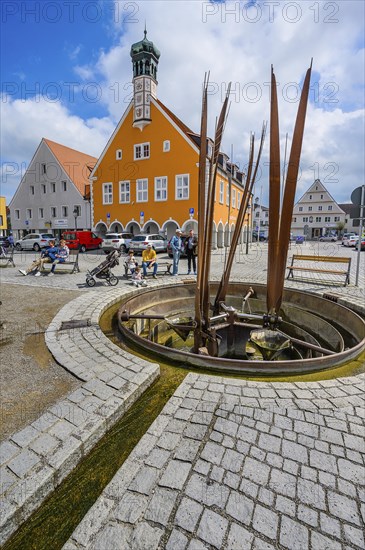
[[76, 215], [248, 227]]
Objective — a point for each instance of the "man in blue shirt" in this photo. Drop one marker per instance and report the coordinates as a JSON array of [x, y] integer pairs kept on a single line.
[[176, 244]]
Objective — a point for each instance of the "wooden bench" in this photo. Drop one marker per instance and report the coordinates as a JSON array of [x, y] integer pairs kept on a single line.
[[166, 265], [72, 263], [7, 255], [318, 269]]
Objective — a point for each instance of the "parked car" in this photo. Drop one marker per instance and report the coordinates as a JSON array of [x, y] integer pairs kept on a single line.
[[140, 242], [82, 240], [116, 241], [34, 241], [183, 251], [345, 236], [362, 244], [328, 238], [351, 241], [262, 236]]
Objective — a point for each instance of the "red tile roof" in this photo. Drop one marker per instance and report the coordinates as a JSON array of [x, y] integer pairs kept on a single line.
[[77, 165]]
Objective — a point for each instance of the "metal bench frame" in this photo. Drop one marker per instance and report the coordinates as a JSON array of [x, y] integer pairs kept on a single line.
[[323, 259], [47, 266], [7, 255]]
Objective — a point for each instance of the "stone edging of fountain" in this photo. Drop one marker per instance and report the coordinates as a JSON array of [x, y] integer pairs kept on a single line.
[[35, 460]]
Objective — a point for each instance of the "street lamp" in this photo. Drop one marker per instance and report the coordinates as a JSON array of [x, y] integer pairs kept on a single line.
[[248, 226], [76, 215]]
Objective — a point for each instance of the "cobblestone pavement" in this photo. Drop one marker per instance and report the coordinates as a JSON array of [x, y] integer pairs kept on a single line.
[[232, 464], [228, 464]]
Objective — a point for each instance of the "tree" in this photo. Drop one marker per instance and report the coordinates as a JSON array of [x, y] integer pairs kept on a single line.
[[340, 226]]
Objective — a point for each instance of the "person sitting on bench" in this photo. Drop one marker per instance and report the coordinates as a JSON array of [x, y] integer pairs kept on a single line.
[[149, 260], [61, 256], [48, 255]]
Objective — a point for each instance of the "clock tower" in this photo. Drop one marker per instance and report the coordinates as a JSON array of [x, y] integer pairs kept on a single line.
[[145, 58]]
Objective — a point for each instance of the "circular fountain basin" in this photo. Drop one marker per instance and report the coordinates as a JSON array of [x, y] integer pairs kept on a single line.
[[307, 317]]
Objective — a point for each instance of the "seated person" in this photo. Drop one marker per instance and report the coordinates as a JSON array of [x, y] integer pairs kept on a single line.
[[137, 278], [149, 261], [131, 262], [48, 255], [61, 256]]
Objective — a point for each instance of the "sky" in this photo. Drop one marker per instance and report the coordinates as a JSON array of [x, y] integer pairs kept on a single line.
[[66, 75]]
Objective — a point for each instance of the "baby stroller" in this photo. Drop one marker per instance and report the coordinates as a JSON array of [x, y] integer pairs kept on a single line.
[[103, 271]]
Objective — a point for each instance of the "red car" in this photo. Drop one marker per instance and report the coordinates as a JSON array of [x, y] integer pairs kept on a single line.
[[82, 240]]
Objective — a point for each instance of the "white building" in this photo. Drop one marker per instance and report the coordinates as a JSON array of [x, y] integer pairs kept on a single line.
[[316, 213], [54, 193]]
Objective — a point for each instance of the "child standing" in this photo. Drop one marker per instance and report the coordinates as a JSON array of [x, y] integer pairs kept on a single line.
[[131, 262]]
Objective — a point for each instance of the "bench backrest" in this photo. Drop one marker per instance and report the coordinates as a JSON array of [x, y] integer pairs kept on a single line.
[[333, 259]]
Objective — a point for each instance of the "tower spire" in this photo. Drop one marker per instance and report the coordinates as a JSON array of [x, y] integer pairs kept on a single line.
[[145, 58]]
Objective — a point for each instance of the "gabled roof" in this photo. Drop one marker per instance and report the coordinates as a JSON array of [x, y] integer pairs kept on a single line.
[[77, 165]]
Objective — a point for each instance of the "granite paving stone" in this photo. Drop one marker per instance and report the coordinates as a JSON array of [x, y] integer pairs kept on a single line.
[[212, 528], [188, 513], [265, 521], [175, 474]]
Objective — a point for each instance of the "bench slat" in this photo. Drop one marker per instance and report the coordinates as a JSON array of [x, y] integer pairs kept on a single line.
[[334, 259], [317, 269]]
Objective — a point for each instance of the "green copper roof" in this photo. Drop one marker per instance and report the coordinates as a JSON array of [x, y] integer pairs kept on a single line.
[[145, 46]]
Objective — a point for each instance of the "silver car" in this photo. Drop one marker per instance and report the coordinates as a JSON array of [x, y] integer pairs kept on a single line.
[[116, 241], [34, 241], [140, 242]]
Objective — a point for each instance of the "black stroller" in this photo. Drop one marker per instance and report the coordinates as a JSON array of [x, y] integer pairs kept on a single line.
[[103, 271]]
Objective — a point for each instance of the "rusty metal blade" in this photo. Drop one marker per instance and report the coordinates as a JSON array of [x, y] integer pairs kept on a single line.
[[290, 189], [210, 207], [201, 212], [274, 198]]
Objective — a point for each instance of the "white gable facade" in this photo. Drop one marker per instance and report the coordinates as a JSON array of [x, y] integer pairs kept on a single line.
[[316, 214]]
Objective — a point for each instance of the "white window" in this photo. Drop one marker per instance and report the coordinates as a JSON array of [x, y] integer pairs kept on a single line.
[[310, 196], [53, 187], [44, 188], [327, 219], [32, 189], [142, 151], [321, 196], [118, 154], [305, 219], [309, 208], [53, 212], [142, 190], [227, 195], [107, 193], [124, 192], [161, 189], [257, 214], [233, 198], [318, 219], [43, 169], [330, 207], [166, 146], [221, 191], [300, 208], [337, 218], [64, 211], [17, 214], [294, 220], [64, 185], [182, 187], [41, 213], [238, 199], [319, 208], [29, 214]]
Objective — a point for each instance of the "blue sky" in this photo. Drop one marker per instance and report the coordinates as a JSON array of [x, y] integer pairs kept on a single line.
[[66, 75]]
